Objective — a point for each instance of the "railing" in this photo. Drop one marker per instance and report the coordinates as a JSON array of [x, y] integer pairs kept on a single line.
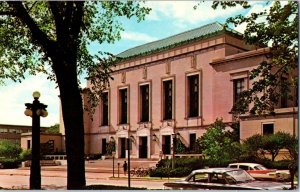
[[183, 155], [55, 157]]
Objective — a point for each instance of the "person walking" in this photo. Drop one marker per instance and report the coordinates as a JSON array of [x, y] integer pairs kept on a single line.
[[125, 167]]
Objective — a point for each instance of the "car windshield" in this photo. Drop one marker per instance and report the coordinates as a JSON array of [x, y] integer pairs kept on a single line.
[[259, 167], [239, 176]]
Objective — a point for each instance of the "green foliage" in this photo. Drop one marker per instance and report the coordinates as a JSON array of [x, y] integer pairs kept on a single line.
[[257, 145], [110, 147], [10, 163], [183, 167], [25, 155], [53, 129], [216, 143], [9, 149], [180, 148], [273, 78]]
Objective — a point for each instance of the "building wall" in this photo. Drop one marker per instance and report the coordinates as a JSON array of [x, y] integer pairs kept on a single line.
[[284, 120], [219, 61], [44, 138], [175, 64]]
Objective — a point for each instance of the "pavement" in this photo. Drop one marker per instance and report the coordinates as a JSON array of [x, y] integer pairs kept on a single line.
[[97, 172]]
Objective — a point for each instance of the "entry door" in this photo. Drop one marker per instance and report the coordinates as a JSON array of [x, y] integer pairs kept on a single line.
[[143, 147], [166, 144], [123, 148], [104, 147]]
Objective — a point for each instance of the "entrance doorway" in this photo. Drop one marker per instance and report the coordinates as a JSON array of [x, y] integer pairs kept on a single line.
[[166, 146], [143, 149], [104, 151], [123, 147]]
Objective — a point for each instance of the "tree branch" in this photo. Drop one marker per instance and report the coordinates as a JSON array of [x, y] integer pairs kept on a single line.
[[37, 33], [57, 17], [11, 13]]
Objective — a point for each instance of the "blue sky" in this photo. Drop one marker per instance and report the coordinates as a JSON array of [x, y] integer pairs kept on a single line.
[[166, 18]]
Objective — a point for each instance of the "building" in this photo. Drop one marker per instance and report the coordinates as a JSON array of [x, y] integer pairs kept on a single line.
[[178, 86], [13, 132]]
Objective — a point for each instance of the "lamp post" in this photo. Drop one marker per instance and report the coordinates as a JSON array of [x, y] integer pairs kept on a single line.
[[35, 110]]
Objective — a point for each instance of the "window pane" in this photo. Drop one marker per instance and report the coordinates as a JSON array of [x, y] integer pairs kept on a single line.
[[168, 98], [268, 129], [144, 90], [105, 109], [238, 88], [123, 106], [193, 83]]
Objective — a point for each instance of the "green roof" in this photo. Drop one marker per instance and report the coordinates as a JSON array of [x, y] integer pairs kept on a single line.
[[202, 32]]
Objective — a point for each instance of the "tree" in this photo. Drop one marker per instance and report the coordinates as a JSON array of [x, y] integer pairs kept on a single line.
[[9, 149], [216, 145], [276, 77], [53, 129], [52, 37]]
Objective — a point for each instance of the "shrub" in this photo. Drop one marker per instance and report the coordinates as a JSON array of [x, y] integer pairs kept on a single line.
[[25, 155], [160, 172], [9, 149], [180, 172], [10, 163]]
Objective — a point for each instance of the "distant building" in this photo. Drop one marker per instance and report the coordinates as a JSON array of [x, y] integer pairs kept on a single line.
[[13, 132], [179, 86]]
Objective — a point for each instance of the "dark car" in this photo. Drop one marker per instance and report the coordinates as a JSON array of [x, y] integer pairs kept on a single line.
[[223, 178]]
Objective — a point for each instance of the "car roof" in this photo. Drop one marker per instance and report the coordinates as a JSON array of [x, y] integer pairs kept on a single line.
[[248, 164], [215, 170]]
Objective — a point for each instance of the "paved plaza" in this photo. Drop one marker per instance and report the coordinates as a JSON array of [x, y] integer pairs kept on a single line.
[[97, 172]]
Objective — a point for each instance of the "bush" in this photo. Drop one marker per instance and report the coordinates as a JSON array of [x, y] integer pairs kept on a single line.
[[183, 167], [10, 163], [25, 155], [9, 149]]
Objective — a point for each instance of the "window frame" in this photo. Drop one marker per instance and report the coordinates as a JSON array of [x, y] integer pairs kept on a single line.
[[267, 123], [102, 110], [187, 94], [120, 105], [172, 79], [140, 100]]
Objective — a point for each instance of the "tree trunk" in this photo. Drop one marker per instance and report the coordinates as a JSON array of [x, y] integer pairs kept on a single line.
[[72, 110]]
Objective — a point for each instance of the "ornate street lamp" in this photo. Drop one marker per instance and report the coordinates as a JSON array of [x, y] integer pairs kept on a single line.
[[35, 110]]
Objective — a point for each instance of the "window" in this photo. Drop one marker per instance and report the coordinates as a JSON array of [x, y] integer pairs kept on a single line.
[[238, 86], [168, 100], [123, 106], [28, 144], [192, 141], [193, 97], [145, 103], [284, 93], [268, 129], [105, 109], [244, 167]]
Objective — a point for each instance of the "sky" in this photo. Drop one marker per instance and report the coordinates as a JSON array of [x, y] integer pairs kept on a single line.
[[166, 18]]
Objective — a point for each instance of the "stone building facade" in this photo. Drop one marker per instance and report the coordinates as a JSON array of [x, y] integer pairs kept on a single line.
[[178, 86]]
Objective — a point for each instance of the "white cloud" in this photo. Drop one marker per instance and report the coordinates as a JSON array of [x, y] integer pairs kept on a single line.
[[182, 12], [136, 36], [14, 96]]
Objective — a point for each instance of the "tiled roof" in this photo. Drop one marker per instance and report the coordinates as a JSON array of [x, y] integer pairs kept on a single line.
[[172, 41]]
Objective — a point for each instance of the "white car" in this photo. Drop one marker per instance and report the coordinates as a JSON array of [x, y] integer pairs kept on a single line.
[[260, 172]]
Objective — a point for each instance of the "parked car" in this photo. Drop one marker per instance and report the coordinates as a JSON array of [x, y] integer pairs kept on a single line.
[[223, 178], [260, 172]]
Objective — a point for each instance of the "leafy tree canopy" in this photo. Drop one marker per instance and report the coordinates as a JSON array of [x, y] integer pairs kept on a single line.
[[276, 28], [216, 143], [52, 37], [53, 129]]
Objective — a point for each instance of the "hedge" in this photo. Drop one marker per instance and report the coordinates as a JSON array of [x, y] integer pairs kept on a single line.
[[10, 163]]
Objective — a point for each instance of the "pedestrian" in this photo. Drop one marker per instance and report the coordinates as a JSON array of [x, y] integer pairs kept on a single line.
[[125, 167]]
